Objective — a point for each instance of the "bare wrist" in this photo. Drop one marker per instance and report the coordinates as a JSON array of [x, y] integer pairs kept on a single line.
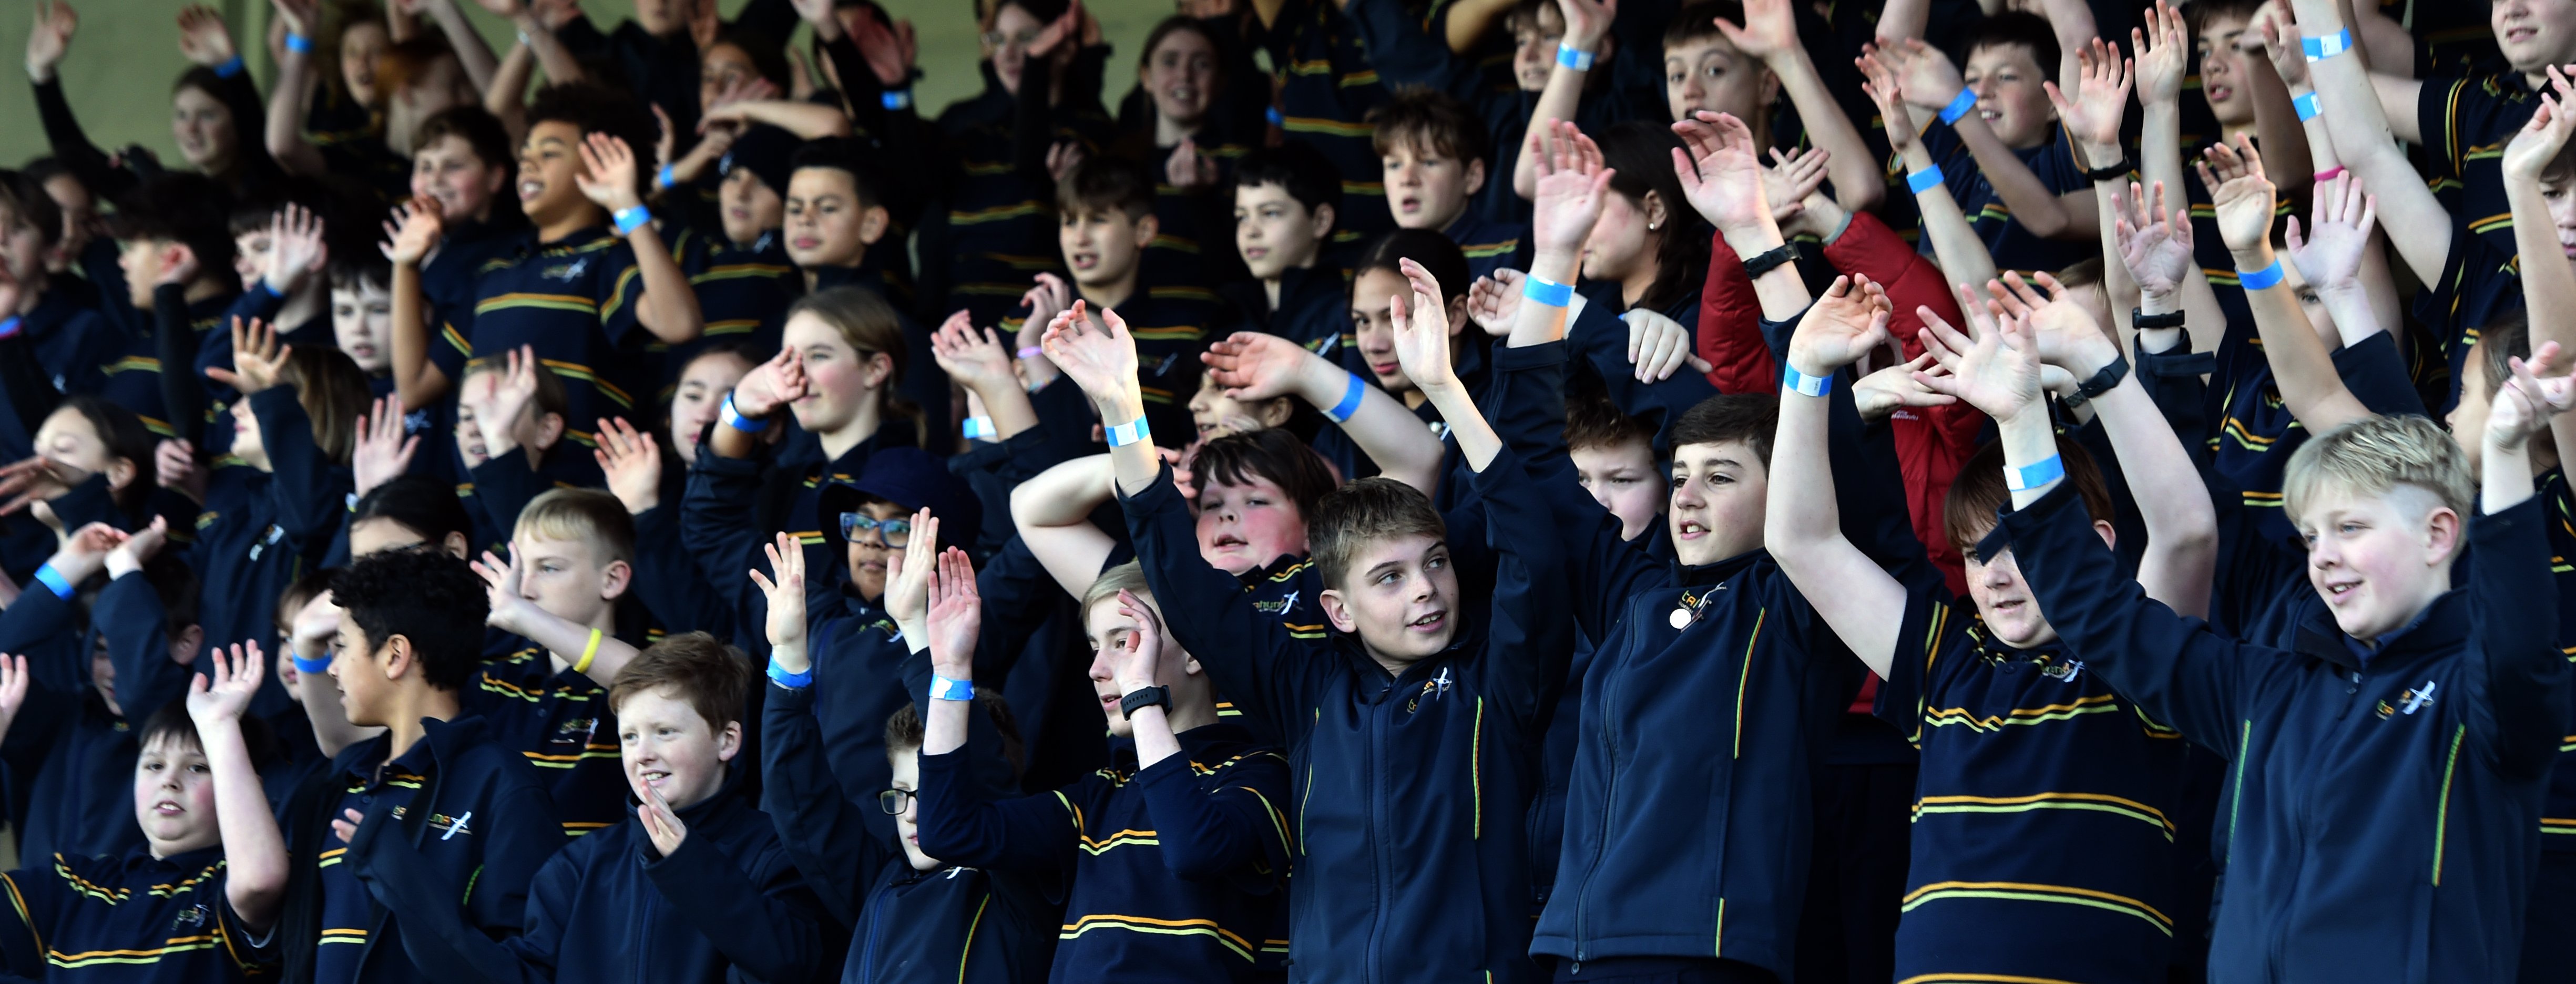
[[2162, 302]]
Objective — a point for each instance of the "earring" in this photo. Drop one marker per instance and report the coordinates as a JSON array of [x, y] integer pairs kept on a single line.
[[1650, 226]]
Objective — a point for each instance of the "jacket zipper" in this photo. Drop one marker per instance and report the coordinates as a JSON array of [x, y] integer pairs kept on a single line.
[[2352, 681], [1377, 822], [1609, 795]]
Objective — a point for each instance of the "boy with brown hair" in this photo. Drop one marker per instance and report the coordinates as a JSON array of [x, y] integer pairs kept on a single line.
[[1435, 156], [1105, 210]]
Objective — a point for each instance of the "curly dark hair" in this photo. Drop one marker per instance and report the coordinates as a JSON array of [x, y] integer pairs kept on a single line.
[[425, 596], [596, 108]]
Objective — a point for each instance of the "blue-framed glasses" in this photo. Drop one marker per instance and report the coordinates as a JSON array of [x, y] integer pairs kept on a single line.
[[891, 532]]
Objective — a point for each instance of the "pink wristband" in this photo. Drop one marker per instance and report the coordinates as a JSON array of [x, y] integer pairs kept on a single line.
[[1031, 352], [2330, 174]]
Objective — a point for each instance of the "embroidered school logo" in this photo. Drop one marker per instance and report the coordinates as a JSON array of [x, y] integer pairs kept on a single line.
[[578, 729], [1283, 606], [448, 826], [191, 917], [568, 271], [2062, 672], [2410, 701], [1433, 688]]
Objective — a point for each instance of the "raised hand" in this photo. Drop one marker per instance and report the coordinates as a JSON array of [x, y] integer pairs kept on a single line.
[[2541, 138], [345, 826], [315, 625], [1792, 177], [2239, 191], [13, 689], [786, 594], [607, 174], [383, 450], [633, 464], [1253, 365], [1189, 170], [660, 824], [907, 594], [175, 467], [203, 36], [2524, 404], [2274, 35], [2163, 47], [257, 358], [1924, 75], [1062, 158], [770, 385], [50, 38], [1422, 331], [36, 479], [2101, 97], [2338, 234], [2155, 244], [1719, 173], [1844, 324], [413, 231], [890, 49], [1567, 200], [666, 138], [1768, 31], [1894, 388], [225, 697], [138, 549], [1494, 300], [1101, 360], [296, 248], [1136, 661], [501, 583], [1878, 80], [1997, 373], [83, 552], [956, 615], [2067, 335], [976, 360], [1659, 346]]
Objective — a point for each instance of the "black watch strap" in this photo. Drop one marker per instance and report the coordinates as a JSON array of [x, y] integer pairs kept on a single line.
[[2112, 173], [2101, 383], [1755, 267], [1145, 697], [2148, 322]]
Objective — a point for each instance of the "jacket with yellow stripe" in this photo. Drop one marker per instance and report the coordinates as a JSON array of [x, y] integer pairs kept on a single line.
[[126, 918], [1177, 872], [472, 838], [2387, 801], [1411, 788]]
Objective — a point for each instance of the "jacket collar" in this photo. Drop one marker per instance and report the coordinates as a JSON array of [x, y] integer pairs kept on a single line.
[[2439, 630], [1717, 573]]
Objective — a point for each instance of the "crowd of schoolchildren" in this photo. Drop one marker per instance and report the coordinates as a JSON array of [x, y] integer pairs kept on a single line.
[[2012, 491]]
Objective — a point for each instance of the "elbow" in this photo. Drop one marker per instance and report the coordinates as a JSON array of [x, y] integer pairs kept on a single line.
[[1859, 196]]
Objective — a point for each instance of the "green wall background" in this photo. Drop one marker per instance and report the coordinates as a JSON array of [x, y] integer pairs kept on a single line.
[[121, 64]]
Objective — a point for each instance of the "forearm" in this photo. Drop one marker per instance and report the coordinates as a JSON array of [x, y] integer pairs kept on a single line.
[[809, 121], [1560, 99], [1134, 464], [254, 852], [1858, 186], [1803, 515], [1902, 19], [2300, 363], [2033, 205], [2028, 438], [1008, 406], [1389, 434], [2182, 526], [2545, 286], [1962, 256], [510, 82], [943, 728], [1468, 20], [552, 56], [2283, 137], [471, 51], [571, 643], [669, 308], [416, 381], [1476, 438], [1779, 291], [321, 700], [1538, 324], [286, 104], [1152, 731]]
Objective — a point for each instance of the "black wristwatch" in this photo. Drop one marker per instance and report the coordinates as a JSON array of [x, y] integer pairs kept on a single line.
[[2139, 318], [1755, 267], [2101, 383], [2113, 173], [1145, 697]]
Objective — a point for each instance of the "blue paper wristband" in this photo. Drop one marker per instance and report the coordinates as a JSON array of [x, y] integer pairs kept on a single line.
[[1548, 292], [54, 581], [1272, 114], [229, 68], [2320, 49], [2269, 276], [2308, 106], [665, 178], [1351, 392], [1959, 107], [980, 429], [1924, 180], [1128, 433], [1580, 61], [733, 418], [309, 666], [791, 681], [2034, 475], [895, 99], [943, 688], [298, 43], [9, 326], [632, 218], [1793, 381]]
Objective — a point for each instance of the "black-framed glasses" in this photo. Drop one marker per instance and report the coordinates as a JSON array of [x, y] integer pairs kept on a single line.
[[894, 801], [891, 532]]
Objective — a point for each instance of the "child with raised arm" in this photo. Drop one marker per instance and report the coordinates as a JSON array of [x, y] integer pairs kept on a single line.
[[1410, 734], [2451, 701], [1200, 901], [2034, 773], [195, 900]]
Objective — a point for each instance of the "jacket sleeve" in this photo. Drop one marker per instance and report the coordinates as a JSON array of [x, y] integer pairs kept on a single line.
[[439, 941], [766, 927], [1728, 337], [1405, 54], [1232, 827], [130, 615], [175, 341], [1602, 336], [720, 525], [666, 582], [36, 624], [71, 146], [1529, 637], [2175, 668], [1250, 658], [2376, 374], [519, 831], [2517, 707], [504, 485], [816, 822], [1029, 833], [310, 492]]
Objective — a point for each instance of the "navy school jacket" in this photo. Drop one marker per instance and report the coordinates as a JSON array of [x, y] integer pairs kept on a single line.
[[1411, 788], [954, 924], [472, 838], [733, 505], [2386, 809], [559, 721], [1177, 871], [729, 905], [259, 532], [130, 918], [71, 757]]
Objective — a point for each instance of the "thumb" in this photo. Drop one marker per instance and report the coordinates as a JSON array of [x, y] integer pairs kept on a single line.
[[1698, 364]]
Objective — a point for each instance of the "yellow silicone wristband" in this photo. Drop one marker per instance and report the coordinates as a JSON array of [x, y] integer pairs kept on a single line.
[[588, 653]]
